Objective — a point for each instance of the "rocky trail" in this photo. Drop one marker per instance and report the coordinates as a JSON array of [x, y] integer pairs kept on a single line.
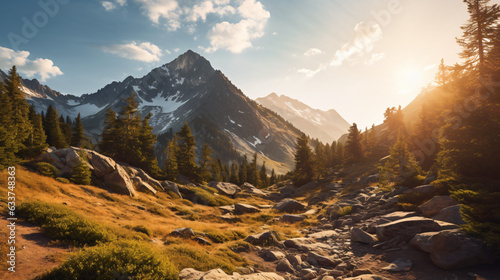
[[363, 236]]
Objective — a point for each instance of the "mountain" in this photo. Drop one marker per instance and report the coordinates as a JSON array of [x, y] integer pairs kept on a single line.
[[327, 126], [188, 89]]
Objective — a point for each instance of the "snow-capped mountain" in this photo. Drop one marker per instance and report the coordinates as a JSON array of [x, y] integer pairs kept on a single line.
[[327, 126], [188, 90]]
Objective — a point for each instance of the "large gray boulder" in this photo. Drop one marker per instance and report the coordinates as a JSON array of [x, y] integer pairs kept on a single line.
[[321, 261], [102, 165], [289, 218], [224, 188], [267, 238], [119, 181], [367, 277], [249, 190], [143, 186], [406, 228], [450, 215], [358, 235], [454, 249], [171, 186], [219, 274], [241, 208], [436, 204], [289, 205]]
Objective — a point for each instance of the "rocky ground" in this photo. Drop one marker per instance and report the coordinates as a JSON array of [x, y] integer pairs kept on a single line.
[[362, 236]]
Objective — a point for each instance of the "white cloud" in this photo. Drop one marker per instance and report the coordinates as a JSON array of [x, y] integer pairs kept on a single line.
[[429, 67], [313, 51], [177, 50], [108, 5], [166, 9], [43, 67], [363, 41], [236, 37], [146, 51], [374, 58], [121, 2], [201, 11]]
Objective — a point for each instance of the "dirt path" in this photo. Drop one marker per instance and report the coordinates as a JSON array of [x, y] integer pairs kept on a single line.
[[35, 254]]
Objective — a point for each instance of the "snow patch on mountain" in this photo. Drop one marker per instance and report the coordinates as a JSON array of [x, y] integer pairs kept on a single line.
[[86, 110]]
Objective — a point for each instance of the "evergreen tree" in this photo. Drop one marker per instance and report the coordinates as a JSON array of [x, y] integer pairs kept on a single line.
[[170, 164], [205, 162], [263, 176], [186, 158], [394, 121], [147, 140], [442, 76], [8, 145], [304, 170], [401, 164], [110, 137], [55, 137], [37, 140], [354, 148], [320, 158], [253, 172], [273, 180], [216, 171], [65, 129], [243, 170], [78, 138], [235, 179], [19, 108], [81, 174]]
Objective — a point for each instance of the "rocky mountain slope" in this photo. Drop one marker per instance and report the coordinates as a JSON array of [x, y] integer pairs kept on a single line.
[[190, 90], [327, 126]]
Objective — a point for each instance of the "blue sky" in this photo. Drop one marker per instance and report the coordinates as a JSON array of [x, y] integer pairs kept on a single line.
[[357, 57]]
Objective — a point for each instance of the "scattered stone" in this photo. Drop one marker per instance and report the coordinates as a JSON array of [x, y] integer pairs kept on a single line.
[[224, 188], [406, 228], [230, 218], [292, 218], [219, 274], [307, 273], [399, 265], [285, 266], [202, 241], [294, 259], [183, 232], [358, 235], [358, 272], [336, 272], [227, 209], [422, 189], [398, 215], [326, 234], [322, 261], [267, 238], [273, 256], [436, 204], [450, 214], [423, 240], [289, 205], [241, 208], [367, 277]]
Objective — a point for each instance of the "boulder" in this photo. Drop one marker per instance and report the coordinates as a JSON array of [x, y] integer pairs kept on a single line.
[[285, 266], [399, 265], [183, 232], [229, 209], [423, 240], [294, 259], [292, 218], [273, 255], [422, 189], [367, 277], [398, 215], [406, 228], [267, 238], [102, 165], [53, 159], [450, 214], [358, 235], [119, 181], [323, 235], [219, 274], [436, 204], [453, 249], [241, 208], [72, 159], [227, 189], [250, 190], [143, 186], [307, 244], [289, 205], [202, 241], [322, 261], [171, 186]]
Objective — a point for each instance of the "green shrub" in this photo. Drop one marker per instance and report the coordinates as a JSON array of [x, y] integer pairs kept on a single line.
[[219, 236], [63, 180], [62, 224], [263, 218], [120, 260], [205, 197], [346, 210], [143, 229], [81, 174], [47, 169]]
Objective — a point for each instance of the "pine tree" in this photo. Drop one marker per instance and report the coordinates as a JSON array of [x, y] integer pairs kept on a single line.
[[394, 121], [205, 161], [65, 129], [110, 137], [55, 136], [243, 170], [78, 138], [442, 76], [273, 180], [170, 164], [320, 158], [263, 176], [37, 140], [8, 146], [19, 107], [304, 170], [354, 148], [235, 179], [81, 174], [186, 158], [401, 164], [253, 172]]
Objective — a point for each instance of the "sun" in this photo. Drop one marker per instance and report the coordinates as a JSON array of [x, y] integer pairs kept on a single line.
[[410, 79]]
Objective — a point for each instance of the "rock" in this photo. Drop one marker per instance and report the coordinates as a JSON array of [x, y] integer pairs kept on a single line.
[[72, 159], [216, 274], [102, 165], [148, 179], [398, 215], [219, 274], [308, 187], [171, 186], [306, 244], [285, 266], [143, 186], [399, 265], [294, 259], [453, 249], [322, 261], [183, 232], [267, 238], [230, 218], [227, 209], [289, 205], [202, 241], [450, 214], [358, 235], [241, 208], [422, 241], [325, 234], [248, 190], [224, 188], [53, 159], [358, 272], [119, 181], [190, 274], [367, 277], [273, 256], [292, 218], [406, 228], [307, 273], [436, 204], [422, 189]]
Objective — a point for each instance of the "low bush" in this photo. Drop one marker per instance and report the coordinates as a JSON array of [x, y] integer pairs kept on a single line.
[[47, 169], [63, 180], [219, 236], [143, 229], [62, 224], [205, 197], [120, 260]]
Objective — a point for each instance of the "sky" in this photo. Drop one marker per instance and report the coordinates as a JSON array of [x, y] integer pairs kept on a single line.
[[357, 57]]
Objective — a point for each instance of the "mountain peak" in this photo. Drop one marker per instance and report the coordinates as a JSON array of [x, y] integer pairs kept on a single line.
[[189, 61]]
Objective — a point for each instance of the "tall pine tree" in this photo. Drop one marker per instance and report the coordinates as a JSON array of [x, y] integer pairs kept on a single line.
[[354, 147], [78, 138], [186, 158], [304, 170]]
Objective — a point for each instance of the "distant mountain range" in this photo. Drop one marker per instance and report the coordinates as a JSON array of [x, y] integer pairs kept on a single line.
[[188, 90], [327, 126]]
